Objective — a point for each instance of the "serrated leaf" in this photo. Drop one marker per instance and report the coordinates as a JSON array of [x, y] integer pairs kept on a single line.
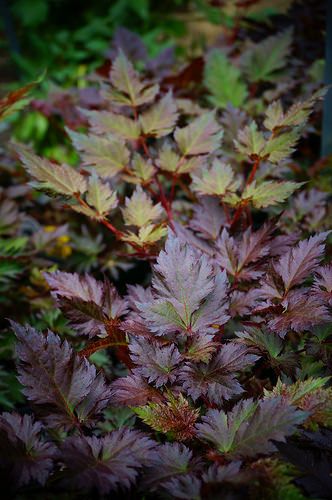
[[242, 303], [263, 60], [208, 218], [203, 135], [189, 295], [322, 285], [170, 161], [263, 340], [223, 80], [172, 460], [297, 114], [147, 235], [99, 196], [161, 118], [250, 141], [107, 155], [216, 180], [175, 416], [280, 146], [139, 210], [133, 390], [88, 303], [15, 100], [104, 463], [295, 393], [141, 170], [156, 363], [217, 380], [301, 312], [27, 457], [64, 387], [298, 262], [249, 428], [239, 256], [309, 395], [254, 245], [200, 348], [106, 122], [269, 193], [51, 177], [127, 82]]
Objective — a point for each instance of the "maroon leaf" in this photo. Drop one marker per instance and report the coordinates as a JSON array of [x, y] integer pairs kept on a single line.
[[26, 456], [64, 387]]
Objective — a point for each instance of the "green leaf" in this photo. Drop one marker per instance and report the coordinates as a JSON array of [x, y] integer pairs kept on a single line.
[[174, 416], [279, 147], [147, 235], [161, 118], [250, 141], [223, 80], [109, 156], [99, 196], [263, 60], [105, 122], [203, 135], [131, 90], [139, 210], [51, 177], [298, 114], [13, 246], [216, 180], [167, 311], [9, 270], [170, 161], [295, 393], [269, 192], [141, 170]]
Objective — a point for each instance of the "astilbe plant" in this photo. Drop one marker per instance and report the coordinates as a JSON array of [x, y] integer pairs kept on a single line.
[[226, 353]]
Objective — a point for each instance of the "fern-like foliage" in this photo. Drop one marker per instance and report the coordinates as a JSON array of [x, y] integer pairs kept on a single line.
[[180, 308]]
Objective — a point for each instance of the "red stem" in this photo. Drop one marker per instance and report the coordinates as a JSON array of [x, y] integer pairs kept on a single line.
[[242, 205], [164, 201], [253, 172]]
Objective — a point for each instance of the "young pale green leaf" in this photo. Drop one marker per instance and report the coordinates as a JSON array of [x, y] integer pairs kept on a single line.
[[51, 177], [99, 196], [141, 170], [139, 210], [280, 146], [216, 180], [107, 155], [264, 60], [147, 235], [105, 122], [297, 114], [131, 89], [161, 118], [174, 416], [296, 393], [250, 141], [201, 136], [170, 161], [223, 80], [269, 193]]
